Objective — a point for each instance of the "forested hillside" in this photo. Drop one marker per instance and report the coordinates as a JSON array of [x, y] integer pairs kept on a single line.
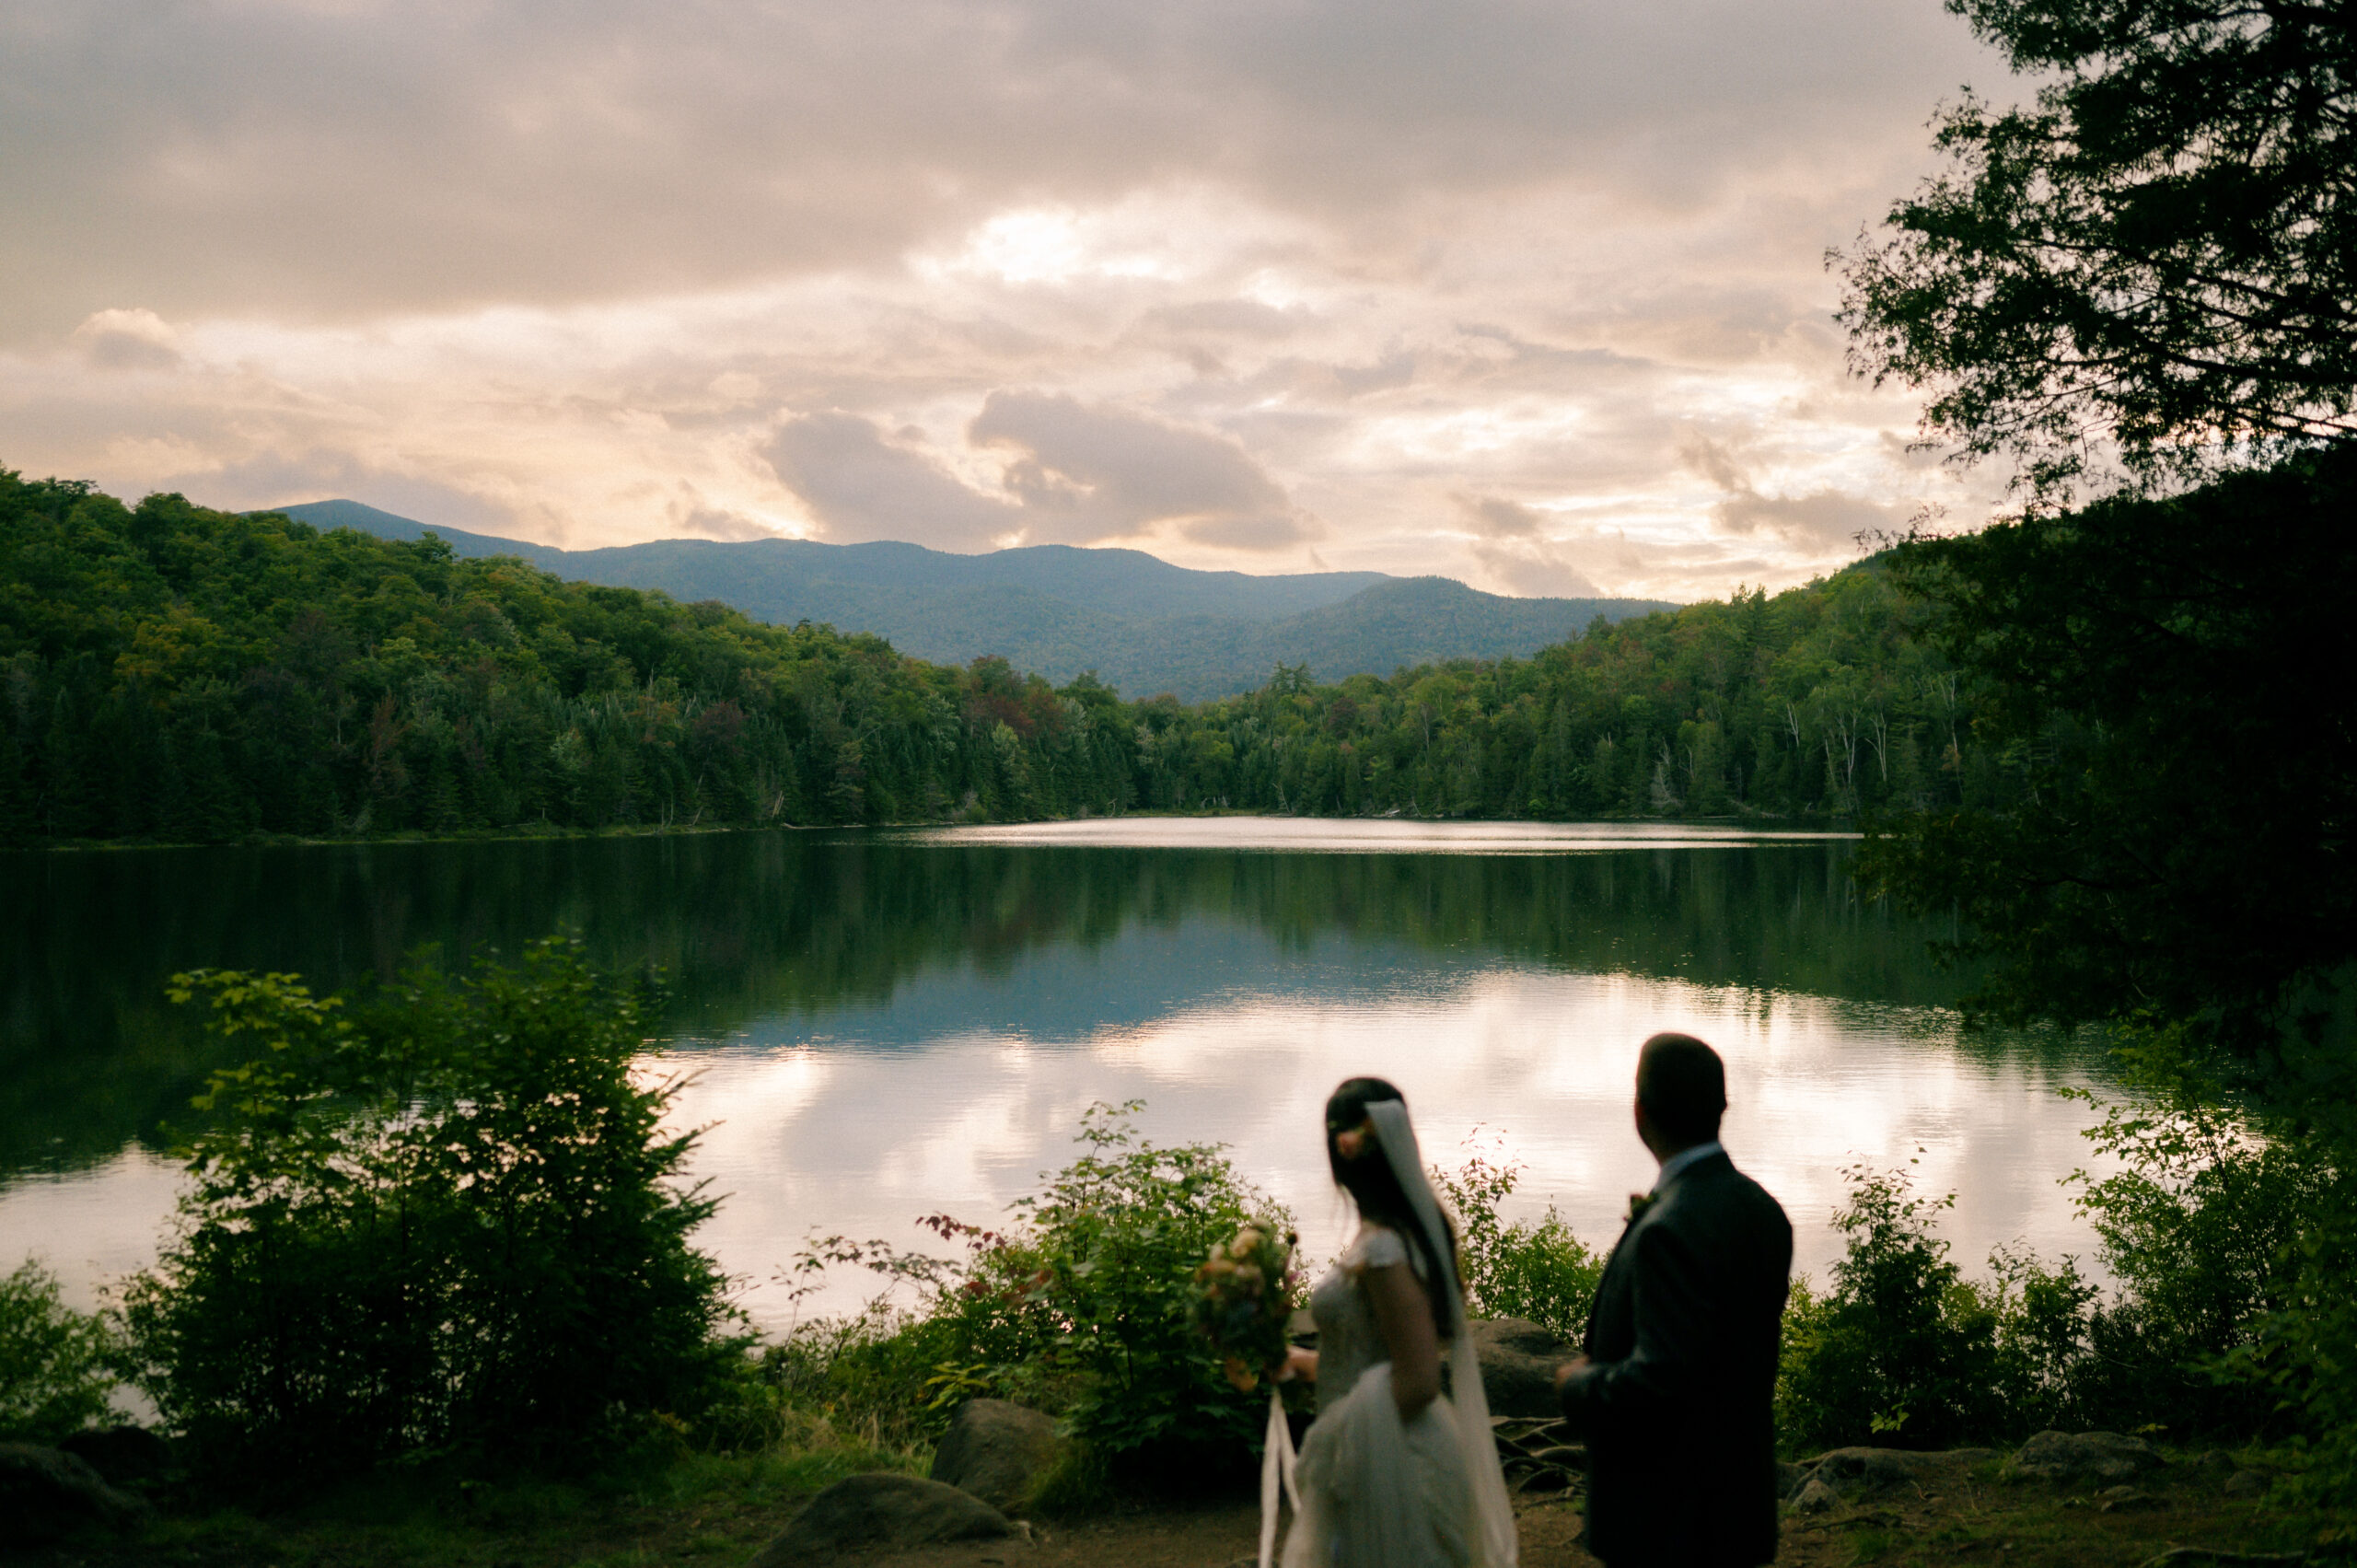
[[183, 674], [1139, 622], [1819, 701], [179, 674]]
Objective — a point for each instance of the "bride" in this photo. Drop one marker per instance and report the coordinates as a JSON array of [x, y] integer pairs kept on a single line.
[[1393, 1473]]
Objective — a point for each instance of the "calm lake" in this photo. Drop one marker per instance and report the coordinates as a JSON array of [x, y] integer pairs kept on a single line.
[[887, 1024]]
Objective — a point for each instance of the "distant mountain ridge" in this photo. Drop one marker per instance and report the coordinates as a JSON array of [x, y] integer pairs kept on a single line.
[[1143, 624]]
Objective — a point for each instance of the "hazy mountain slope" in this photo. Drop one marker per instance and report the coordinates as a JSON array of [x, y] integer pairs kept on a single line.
[[784, 579], [1143, 624]]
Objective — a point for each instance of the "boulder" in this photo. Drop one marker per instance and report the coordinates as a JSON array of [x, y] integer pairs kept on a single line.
[[1519, 1360], [2084, 1455], [864, 1513], [1790, 1479], [1815, 1497], [46, 1496], [2249, 1483], [1851, 1473], [123, 1455], [995, 1450]]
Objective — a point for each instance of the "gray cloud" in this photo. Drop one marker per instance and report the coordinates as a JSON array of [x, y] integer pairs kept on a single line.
[[1075, 473], [1494, 516], [1827, 518], [1084, 473], [1212, 276], [1514, 547], [862, 487], [1821, 519], [1534, 570], [128, 340], [383, 154]]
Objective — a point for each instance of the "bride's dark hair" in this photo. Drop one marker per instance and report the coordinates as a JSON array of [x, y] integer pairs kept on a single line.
[[1375, 1189]]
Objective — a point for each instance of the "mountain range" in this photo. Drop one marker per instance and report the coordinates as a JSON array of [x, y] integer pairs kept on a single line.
[[1143, 624]]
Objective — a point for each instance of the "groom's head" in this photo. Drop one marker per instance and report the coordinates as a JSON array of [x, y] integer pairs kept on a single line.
[[1681, 1091]]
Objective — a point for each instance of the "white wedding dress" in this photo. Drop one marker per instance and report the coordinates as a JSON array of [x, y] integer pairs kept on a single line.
[[1375, 1492]]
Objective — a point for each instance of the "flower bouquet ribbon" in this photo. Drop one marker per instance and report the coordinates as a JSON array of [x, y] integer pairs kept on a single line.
[[1242, 1302]]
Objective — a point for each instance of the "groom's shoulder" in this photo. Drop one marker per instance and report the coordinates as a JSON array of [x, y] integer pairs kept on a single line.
[[1729, 1188]]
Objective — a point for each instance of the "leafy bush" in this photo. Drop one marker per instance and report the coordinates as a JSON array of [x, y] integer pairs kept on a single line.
[[55, 1368], [1904, 1351], [2206, 1228], [1079, 1307], [442, 1219], [1535, 1271]]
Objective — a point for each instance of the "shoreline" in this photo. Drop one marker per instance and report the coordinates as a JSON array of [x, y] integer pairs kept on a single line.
[[536, 834]]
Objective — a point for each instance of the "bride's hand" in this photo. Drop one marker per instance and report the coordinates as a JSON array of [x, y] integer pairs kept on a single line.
[[1299, 1363]]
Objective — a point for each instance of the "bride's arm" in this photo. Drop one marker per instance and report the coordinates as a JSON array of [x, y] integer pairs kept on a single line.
[[1403, 1316]]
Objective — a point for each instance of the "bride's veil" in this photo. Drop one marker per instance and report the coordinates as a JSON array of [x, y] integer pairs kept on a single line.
[[1492, 1513]]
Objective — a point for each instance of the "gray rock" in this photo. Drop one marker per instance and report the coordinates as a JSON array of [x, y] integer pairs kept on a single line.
[[121, 1455], [2249, 1483], [46, 1496], [1855, 1472], [2084, 1455], [995, 1450], [1519, 1360], [1815, 1497], [862, 1513], [1790, 1479]]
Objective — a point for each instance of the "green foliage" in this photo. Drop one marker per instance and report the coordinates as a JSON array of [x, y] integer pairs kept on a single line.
[[882, 1376], [2157, 249], [1534, 1270], [1905, 1352], [177, 673], [2174, 853], [1108, 1250], [55, 1363], [1821, 702], [1081, 1307], [442, 1218], [2203, 1226]]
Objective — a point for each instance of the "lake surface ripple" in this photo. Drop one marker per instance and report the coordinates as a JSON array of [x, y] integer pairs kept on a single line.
[[875, 1026]]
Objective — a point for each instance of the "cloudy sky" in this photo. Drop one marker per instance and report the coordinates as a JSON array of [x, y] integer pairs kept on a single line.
[[1527, 292]]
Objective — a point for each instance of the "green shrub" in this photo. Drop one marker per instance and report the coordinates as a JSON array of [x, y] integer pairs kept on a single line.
[[1538, 1271], [2208, 1227], [55, 1370], [1905, 1352], [444, 1219], [1112, 1245], [1078, 1306]]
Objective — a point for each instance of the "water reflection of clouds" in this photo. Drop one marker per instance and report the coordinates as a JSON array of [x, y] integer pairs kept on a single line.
[[845, 1137], [91, 1227]]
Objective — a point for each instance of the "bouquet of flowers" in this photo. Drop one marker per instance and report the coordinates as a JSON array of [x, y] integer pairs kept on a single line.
[[1243, 1298]]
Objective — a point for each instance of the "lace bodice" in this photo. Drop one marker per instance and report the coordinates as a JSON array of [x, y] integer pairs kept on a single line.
[[1348, 1340]]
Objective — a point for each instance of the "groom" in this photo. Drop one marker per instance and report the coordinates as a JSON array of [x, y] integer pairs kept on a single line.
[[1675, 1389]]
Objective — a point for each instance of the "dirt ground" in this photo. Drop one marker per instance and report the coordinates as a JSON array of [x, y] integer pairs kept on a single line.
[[1965, 1516], [1976, 1520]]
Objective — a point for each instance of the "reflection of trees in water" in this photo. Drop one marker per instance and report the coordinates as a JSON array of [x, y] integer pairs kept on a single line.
[[759, 924]]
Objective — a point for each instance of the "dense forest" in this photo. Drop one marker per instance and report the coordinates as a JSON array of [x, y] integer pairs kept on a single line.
[[179, 674], [176, 673]]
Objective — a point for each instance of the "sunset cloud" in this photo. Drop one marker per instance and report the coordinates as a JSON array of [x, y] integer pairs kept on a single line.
[[1244, 285]]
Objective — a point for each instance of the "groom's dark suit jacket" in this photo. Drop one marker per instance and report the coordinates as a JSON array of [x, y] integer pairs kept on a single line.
[[1677, 1403]]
